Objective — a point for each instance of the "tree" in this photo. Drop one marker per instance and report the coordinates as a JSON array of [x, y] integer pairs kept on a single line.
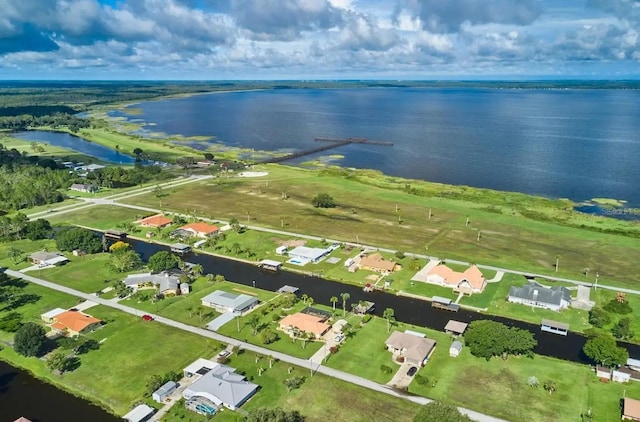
[[623, 329], [389, 315], [122, 290], [274, 415], [344, 297], [208, 156], [487, 338], [162, 261], [11, 322], [15, 254], [254, 322], [78, 238], [438, 411], [293, 383], [603, 350], [333, 301], [598, 317], [197, 270], [619, 304], [323, 200], [550, 386], [58, 361], [533, 382], [304, 298], [29, 339], [159, 193], [38, 229], [268, 336], [124, 261], [138, 153]]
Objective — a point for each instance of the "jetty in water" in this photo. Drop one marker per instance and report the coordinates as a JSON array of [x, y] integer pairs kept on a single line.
[[332, 143]]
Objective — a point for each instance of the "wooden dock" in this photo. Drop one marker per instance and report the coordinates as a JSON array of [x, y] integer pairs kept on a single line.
[[333, 143]]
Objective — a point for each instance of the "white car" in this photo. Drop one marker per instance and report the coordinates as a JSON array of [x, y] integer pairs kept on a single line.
[[339, 338], [224, 354]]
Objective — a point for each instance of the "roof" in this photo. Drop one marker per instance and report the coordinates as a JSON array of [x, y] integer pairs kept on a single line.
[[139, 413], [22, 419], [74, 321], [270, 263], [456, 326], [166, 388], [201, 227], [472, 275], [631, 407], [44, 256], [52, 313], [633, 362], [414, 347], [230, 300], [157, 220], [287, 289], [376, 261], [457, 345], [164, 280], [198, 365], [222, 385], [537, 292], [312, 254], [306, 323]]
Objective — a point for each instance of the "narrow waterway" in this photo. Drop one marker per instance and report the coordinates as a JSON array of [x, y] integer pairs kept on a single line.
[[23, 395], [409, 310]]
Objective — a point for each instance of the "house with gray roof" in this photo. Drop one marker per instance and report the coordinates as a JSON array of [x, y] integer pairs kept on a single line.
[[220, 386], [535, 294], [223, 301], [414, 348], [44, 258], [165, 282]]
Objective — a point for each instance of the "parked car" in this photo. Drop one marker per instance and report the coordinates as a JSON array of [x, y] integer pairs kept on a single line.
[[224, 353], [411, 372], [339, 338], [147, 317]]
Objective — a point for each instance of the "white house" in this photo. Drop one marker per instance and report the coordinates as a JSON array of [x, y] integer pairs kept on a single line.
[[455, 349], [535, 294], [223, 301]]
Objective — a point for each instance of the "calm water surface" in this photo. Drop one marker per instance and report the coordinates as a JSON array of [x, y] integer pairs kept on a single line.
[[576, 144]]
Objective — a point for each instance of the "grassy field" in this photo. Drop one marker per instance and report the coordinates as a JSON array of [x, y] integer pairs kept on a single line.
[[49, 151], [89, 273], [103, 217], [27, 247], [367, 214]]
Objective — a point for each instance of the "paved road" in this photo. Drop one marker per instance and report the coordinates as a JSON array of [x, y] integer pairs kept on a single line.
[[313, 368]]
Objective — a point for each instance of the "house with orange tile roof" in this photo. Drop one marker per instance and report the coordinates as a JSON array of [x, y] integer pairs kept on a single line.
[[630, 409], [468, 282], [74, 323], [201, 229], [375, 262], [157, 220], [305, 323]]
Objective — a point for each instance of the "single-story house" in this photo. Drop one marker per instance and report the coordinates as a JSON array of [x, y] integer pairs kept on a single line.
[[84, 187], [630, 409], [281, 250], [165, 391], [74, 323], [603, 372], [375, 262], [48, 317], [223, 301], [416, 350], [157, 220], [306, 323], [304, 254], [44, 258], [455, 327], [535, 294], [165, 282], [199, 367], [89, 167], [140, 413], [220, 386], [469, 281], [201, 229], [455, 349], [621, 374]]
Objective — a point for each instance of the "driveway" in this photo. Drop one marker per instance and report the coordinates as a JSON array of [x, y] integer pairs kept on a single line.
[[401, 380], [329, 341]]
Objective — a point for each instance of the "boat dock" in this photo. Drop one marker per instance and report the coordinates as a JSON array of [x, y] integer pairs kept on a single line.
[[444, 303], [268, 264], [333, 143], [554, 327]]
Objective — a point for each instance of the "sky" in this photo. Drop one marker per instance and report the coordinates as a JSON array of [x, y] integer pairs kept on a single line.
[[319, 39]]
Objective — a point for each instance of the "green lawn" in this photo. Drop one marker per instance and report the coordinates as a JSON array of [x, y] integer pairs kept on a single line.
[[88, 273], [102, 217], [27, 247]]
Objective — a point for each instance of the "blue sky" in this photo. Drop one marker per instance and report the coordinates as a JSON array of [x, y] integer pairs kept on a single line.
[[319, 39]]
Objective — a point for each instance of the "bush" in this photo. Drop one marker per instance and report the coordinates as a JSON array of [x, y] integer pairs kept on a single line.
[[386, 369], [29, 339], [323, 200], [421, 380], [400, 255], [366, 318], [617, 307], [598, 317]]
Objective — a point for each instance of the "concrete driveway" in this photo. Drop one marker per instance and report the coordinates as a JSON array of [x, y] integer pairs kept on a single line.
[[401, 380]]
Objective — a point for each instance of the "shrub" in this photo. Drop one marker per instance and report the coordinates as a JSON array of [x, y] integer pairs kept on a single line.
[[598, 317], [386, 369], [618, 307], [421, 380], [400, 255], [366, 318]]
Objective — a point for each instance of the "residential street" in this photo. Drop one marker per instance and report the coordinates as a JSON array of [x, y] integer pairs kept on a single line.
[[313, 368]]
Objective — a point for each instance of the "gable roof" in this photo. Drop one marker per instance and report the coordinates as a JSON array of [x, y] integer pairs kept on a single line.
[[229, 300], [157, 220], [45, 256], [375, 260], [457, 345], [456, 326], [631, 407], [414, 347], [163, 280], [222, 385], [306, 323], [73, 320], [537, 292], [472, 275], [201, 227]]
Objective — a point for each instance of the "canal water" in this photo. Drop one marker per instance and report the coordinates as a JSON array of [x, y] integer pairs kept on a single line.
[[23, 395], [409, 310]]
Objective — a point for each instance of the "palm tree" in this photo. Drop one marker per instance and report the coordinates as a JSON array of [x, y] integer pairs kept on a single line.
[[345, 297], [190, 311], [304, 298], [389, 315], [236, 248], [333, 301], [271, 359], [258, 357], [551, 386], [211, 278], [197, 270], [254, 322], [310, 301]]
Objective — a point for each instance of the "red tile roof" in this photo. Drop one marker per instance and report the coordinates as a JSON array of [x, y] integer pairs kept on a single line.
[[377, 262], [454, 278], [201, 227], [631, 408], [158, 220], [73, 321], [306, 323]]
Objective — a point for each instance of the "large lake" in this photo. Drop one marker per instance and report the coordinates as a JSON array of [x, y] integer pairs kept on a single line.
[[577, 144]]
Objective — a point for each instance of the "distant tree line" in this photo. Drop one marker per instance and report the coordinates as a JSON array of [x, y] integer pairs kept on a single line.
[[26, 121]]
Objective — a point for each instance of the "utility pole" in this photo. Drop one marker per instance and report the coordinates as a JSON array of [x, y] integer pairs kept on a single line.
[[595, 287], [478, 239], [429, 213], [557, 262]]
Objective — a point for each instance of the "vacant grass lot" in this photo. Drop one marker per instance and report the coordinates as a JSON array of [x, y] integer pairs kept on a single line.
[[103, 217], [88, 273], [25, 246], [367, 214]]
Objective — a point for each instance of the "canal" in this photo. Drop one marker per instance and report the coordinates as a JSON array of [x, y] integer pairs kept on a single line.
[[408, 310]]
